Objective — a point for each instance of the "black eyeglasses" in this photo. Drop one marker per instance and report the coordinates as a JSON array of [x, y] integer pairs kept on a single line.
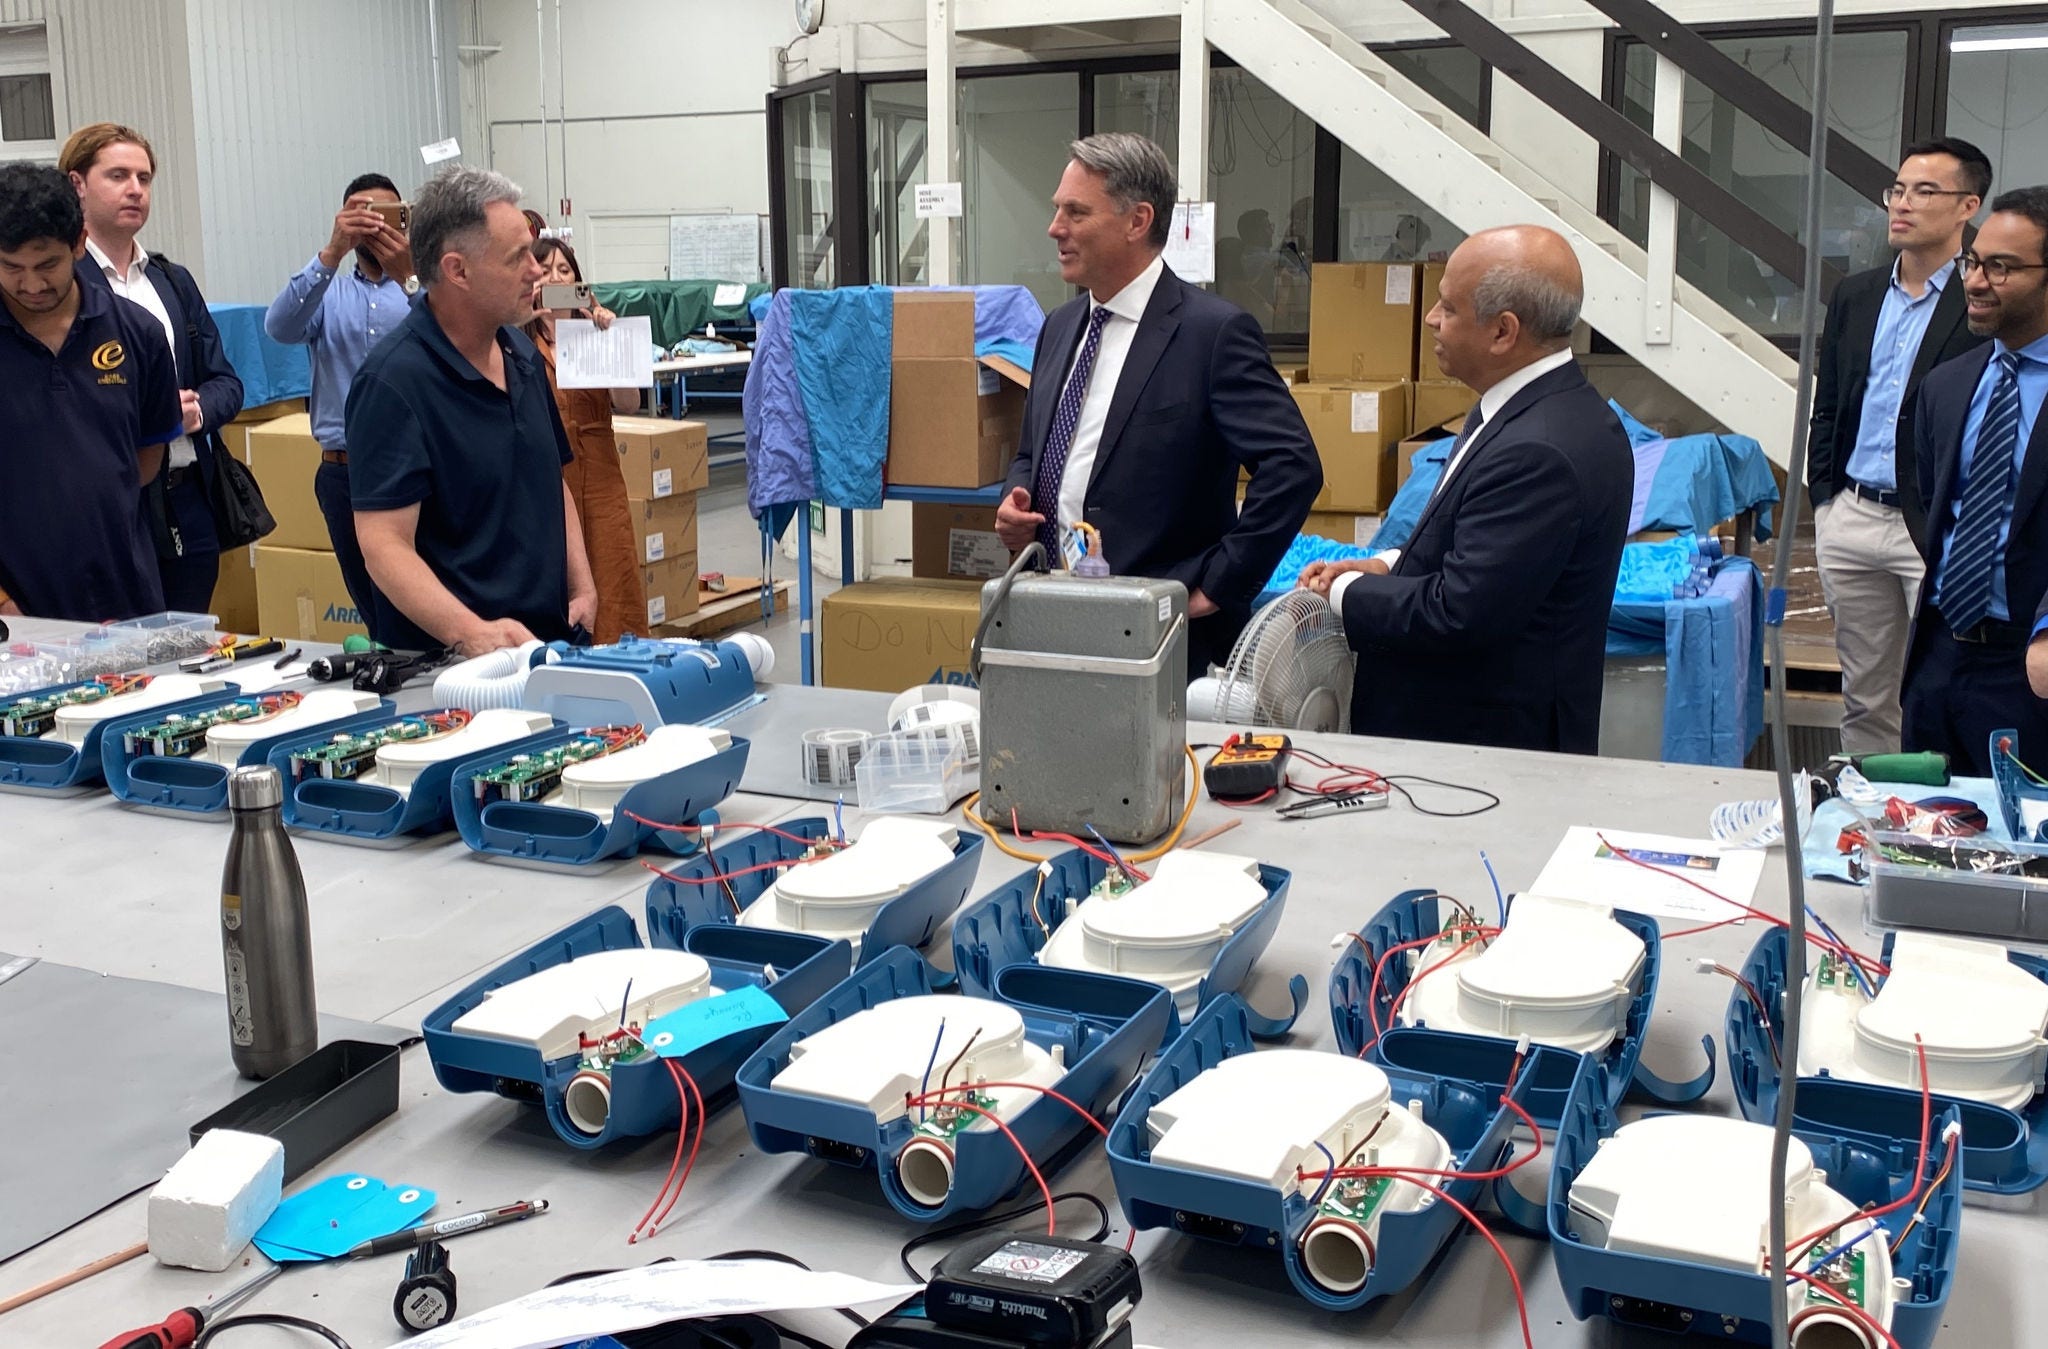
[[1996, 270], [1921, 194]]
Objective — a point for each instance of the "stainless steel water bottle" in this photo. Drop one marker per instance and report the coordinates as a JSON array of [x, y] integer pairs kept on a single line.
[[266, 936]]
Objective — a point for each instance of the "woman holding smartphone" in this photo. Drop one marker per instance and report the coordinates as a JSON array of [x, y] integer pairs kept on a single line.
[[594, 478]]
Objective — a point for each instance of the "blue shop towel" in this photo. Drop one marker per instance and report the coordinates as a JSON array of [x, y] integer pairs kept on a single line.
[[1713, 663], [270, 371]]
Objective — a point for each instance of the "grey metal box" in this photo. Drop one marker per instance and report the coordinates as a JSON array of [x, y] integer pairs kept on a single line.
[[1084, 705]]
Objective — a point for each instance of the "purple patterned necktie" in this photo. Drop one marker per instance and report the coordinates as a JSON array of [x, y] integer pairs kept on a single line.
[[1052, 463]]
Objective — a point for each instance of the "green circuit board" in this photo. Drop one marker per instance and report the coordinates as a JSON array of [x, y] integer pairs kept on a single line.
[[1847, 1274], [530, 777], [347, 757], [1357, 1199], [944, 1119], [180, 735], [36, 715]]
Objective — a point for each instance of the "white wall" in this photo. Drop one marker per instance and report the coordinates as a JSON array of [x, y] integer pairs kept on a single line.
[[292, 100], [665, 107]]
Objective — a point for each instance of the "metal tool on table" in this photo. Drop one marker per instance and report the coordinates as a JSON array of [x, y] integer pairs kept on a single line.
[[183, 1326], [413, 1237], [1334, 805]]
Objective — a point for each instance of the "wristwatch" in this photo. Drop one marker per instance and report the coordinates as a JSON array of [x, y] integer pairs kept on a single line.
[[411, 285]]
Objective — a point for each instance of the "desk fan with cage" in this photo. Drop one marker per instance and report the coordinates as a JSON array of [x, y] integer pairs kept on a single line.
[[1291, 668]]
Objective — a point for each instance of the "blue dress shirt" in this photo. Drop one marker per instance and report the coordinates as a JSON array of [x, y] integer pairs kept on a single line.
[[340, 317], [2033, 377], [1901, 324]]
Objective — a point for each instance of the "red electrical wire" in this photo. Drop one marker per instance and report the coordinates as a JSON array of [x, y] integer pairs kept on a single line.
[[1098, 854], [1497, 1173], [1044, 1189], [703, 1119], [1394, 1010], [1514, 1278], [1066, 1101], [1862, 961], [682, 1129], [1845, 1305], [717, 876], [1920, 1177]]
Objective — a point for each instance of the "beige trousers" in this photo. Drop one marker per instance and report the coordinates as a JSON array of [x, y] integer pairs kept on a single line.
[[1870, 573]]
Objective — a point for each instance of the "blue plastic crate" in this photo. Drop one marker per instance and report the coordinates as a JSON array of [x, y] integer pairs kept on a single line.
[[199, 786], [533, 832], [366, 812], [1236, 1212], [997, 931], [1104, 1025], [1415, 915], [2004, 1151], [54, 765], [674, 907], [1732, 1306], [644, 1099]]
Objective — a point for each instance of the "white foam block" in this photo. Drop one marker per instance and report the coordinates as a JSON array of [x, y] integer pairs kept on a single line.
[[205, 1210]]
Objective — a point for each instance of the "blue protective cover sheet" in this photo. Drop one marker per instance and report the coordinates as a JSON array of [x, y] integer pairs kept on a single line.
[[815, 430], [1305, 549], [1713, 663], [270, 371]]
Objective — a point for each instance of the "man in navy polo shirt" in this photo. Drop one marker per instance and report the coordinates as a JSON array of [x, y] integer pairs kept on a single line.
[[91, 400], [455, 447]]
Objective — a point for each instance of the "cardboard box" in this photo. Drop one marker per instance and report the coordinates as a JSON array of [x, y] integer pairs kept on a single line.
[[1355, 427], [1426, 367], [957, 542], [1361, 321], [283, 407], [890, 635], [671, 587], [1438, 401], [954, 421], [1404, 453], [662, 458], [1293, 374], [664, 528], [234, 594], [1342, 526], [300, 595], [284, 457], [933, 324]]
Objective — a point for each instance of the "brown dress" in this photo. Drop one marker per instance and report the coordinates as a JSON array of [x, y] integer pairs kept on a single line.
[[600, 491]]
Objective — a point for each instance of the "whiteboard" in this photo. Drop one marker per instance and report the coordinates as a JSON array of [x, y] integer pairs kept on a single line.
[[714, 247]]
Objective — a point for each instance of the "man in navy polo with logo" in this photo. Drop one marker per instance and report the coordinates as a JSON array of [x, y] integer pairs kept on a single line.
[[455, 447], [91, 400]]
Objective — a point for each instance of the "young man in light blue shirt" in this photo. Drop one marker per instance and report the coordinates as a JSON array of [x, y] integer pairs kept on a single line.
[[341, 311]]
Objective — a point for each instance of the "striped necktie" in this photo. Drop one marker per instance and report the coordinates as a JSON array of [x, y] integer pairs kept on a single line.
[[1974, 552], [1052, 464]]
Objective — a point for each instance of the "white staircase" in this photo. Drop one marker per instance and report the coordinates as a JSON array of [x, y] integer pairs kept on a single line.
[[1709, 355], [1671, 327]]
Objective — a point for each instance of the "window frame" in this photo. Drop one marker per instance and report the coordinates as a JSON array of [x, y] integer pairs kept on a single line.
[[42, 150]]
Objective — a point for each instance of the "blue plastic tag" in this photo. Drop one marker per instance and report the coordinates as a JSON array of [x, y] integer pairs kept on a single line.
[[339, 1214], [690, 1027]]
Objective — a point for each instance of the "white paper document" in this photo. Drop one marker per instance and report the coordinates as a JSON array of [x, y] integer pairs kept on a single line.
[[939, 201], [726, 294], [633, 1299], [1694, 872], [1191, 242], [620, 357], [440, 150]]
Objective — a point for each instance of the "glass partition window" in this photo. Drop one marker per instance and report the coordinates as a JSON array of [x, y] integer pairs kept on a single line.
[[1998, 97], [1770, 174], [1261, 177], [896, 126], [1378, 220], [807, 188], [1014, 133], [26, 110]]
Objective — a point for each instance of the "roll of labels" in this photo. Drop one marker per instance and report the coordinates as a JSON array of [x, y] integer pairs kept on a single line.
[[830, 756]]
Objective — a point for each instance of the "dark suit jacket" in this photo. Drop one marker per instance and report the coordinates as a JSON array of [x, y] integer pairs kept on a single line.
[[1843, 372], [1938, 430], [202, 361], [1197, 398], [1492, 629]]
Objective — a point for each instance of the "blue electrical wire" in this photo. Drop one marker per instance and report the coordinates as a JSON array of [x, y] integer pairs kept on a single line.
[[1499, 899], [1329, 1175], [1110, 848], [1824, 1261], [839, 819], [1855, 975], [924, 1086]]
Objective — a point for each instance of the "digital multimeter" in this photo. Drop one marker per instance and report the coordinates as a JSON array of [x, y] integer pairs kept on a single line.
[[1247, 766], [1028, 1292]]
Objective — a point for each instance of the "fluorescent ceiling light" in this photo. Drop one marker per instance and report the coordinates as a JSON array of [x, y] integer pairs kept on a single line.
[[1993, 40]]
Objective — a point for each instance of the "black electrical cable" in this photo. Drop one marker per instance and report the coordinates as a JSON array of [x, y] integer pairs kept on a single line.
[[937, 1234], [207, 1335], [1394, 781], [785, 1259]]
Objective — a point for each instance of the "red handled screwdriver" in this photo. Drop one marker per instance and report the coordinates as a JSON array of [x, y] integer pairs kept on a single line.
[[182, 1327]]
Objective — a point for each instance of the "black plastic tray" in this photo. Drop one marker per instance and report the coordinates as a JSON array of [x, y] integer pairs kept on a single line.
[[319, 1103]]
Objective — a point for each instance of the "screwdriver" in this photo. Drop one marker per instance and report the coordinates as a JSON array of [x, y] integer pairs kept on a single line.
[[182, 1327]]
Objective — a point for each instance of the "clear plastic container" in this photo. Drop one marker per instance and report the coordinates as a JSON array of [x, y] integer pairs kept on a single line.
[[920, 772], [95, 652], [172, 635], [1941, 899], [26, 672]]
